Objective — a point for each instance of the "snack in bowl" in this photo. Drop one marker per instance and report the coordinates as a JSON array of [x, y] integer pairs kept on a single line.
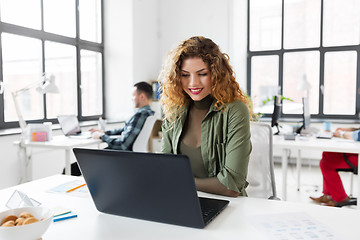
[[28, 223]]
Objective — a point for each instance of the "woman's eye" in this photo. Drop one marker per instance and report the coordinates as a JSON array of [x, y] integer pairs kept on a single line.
[[185, 75], [202, 74]]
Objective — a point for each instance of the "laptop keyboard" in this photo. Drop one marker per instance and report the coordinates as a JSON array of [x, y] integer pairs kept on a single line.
[[209, 211]]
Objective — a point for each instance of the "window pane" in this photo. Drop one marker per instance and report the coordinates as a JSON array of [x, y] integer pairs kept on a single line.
[[26, 13], [90, 20], [265, 24], [59, 17], [91, 83], [297, 66], [302, 23], [265, 81], [340, 82], [60, 61], [341, 22], [22, 67]]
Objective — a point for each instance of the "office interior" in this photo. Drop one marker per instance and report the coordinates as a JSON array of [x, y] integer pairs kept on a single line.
[[137, 34]]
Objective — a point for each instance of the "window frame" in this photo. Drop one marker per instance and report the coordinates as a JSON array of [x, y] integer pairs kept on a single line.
[[322, 50], [43, 36]]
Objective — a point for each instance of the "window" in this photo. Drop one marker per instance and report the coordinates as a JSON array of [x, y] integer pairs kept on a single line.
[[54, 11], [90, 20], [91, 68], [29, 10], [61, 38], [60, 61], [21, 65], [315, 40]]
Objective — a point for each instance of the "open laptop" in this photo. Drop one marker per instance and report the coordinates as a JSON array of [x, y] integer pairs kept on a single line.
[[71, 128], [149, 186]]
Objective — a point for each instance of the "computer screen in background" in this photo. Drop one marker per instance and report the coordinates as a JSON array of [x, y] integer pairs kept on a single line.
[[276, 113]]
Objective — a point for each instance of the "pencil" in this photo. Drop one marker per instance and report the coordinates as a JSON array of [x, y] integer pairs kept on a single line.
[[64, 217], [70, 190]]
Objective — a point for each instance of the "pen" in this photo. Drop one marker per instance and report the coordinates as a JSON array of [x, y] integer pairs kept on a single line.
[[64, 217], [70, 190]]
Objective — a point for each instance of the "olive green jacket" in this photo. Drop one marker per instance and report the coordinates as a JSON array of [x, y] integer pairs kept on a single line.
[[225, 143]]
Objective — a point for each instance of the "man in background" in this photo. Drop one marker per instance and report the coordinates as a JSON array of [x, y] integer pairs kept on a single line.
[[142, 96], [125, 136]]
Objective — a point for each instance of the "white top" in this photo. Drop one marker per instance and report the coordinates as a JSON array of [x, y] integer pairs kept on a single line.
[[232, 223], [62, 142], [313, 143]]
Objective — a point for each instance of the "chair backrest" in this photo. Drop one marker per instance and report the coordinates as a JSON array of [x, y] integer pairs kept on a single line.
[[141, 143], [261, 175]]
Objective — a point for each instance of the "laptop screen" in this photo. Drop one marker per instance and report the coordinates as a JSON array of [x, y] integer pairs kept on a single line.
[[69, 124]]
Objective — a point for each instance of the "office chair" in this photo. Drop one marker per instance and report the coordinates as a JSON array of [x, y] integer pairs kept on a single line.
[[354, 170], [261, 175], [141, 143]]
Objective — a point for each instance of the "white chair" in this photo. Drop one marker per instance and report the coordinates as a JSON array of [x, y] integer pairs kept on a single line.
[[261, 176], [141, 143]]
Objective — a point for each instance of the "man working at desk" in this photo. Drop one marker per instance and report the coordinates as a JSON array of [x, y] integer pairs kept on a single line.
[[333, 188], [142, 96]]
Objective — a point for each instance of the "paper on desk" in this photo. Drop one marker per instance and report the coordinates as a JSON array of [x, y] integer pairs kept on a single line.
[[63, 188], [291, 226]]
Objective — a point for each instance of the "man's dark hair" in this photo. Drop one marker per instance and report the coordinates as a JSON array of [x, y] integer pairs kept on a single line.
[[144, 87]]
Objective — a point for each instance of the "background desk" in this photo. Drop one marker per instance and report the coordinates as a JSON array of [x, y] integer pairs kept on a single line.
[[58, 142], [232, 223], [312, 143]]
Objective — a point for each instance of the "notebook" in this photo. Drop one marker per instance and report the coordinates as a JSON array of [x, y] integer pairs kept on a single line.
[[71, 128], [148, 186]]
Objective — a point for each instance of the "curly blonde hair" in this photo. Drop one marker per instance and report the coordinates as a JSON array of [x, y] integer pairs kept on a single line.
[[224, 88]]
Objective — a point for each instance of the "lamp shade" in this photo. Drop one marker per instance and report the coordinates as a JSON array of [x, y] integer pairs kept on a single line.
[[303, 85], [48, 85]]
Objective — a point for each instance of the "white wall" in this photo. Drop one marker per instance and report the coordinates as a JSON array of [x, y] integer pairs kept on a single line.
[[118, 51]]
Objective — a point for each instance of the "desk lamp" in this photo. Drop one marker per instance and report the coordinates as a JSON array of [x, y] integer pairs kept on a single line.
[[44, 85], [304, 85]]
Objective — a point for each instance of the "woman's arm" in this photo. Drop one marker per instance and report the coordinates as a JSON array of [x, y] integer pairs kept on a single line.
[[233, 165], [166, 137], [213, 185]]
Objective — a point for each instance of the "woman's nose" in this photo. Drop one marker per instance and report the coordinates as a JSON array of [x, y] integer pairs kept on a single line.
[[194, 79]]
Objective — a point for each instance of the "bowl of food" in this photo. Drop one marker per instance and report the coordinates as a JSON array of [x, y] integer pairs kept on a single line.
[[27, 223]]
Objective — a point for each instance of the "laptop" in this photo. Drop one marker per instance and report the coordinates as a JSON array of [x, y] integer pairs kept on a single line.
[[148, 186], [71, 128]]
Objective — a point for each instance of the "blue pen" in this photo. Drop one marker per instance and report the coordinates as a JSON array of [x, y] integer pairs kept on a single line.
[[64, 217]]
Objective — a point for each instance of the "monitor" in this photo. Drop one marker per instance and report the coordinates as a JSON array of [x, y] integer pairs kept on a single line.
[[276, 113], [305, 115]]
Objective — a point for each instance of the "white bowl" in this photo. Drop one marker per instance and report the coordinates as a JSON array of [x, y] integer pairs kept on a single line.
[[32, 231]]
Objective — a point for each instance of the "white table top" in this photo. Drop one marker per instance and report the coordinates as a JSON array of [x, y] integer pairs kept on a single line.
[[313, 143], [62, 142], [232, 223]]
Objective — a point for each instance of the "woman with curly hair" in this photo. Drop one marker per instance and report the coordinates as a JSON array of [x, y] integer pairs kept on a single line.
[[206, 116]]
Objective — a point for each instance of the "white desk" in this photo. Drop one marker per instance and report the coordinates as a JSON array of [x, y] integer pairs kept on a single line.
[[58, 142], [312, 143], [232, 223]]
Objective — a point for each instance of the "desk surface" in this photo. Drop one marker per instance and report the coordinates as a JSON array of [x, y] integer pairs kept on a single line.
[[232, 223], [62, 142], [313, 143]]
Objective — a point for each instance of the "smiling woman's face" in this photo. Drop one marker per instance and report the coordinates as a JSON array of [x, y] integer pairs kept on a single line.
[[195, 78]]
